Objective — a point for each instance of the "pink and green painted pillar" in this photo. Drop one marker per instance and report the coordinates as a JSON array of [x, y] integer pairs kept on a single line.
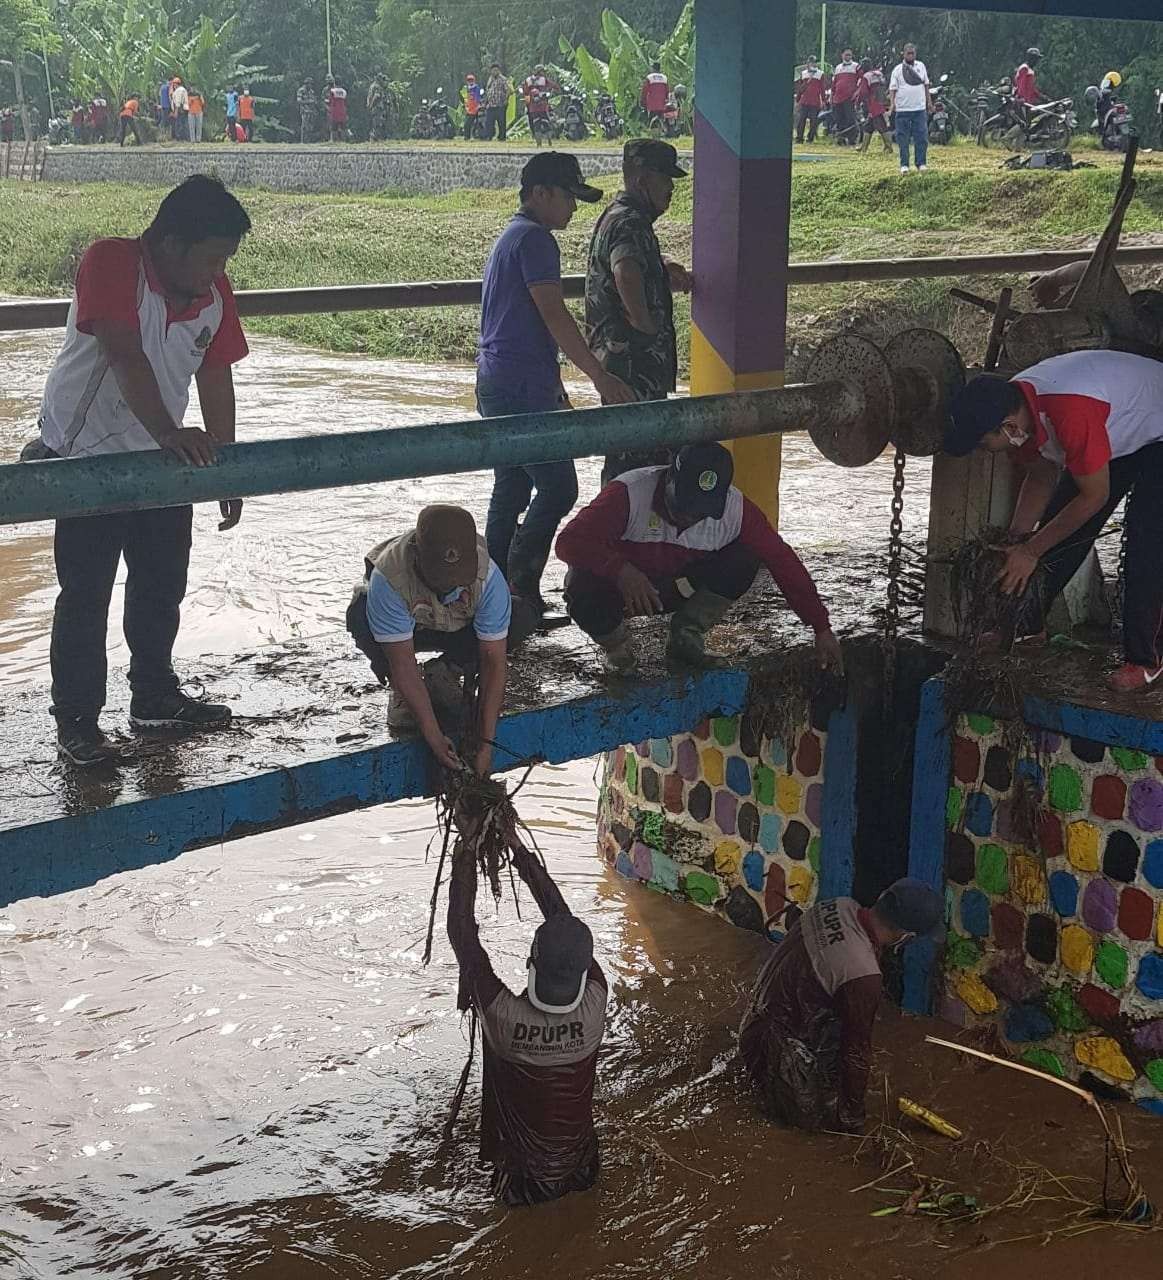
[[742, 206]]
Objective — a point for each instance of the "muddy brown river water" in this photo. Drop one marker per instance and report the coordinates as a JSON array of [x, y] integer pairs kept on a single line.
[[235, 1065]]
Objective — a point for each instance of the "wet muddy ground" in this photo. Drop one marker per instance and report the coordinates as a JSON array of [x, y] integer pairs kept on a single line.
[[235, 1065]]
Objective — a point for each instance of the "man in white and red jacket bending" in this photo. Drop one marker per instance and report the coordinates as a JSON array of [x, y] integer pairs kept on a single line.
[[1088, 429], [678, 539]]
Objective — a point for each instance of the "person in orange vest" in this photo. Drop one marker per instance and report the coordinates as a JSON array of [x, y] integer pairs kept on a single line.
[[196, 110], [473, 99], [246, 114], [128, 121]]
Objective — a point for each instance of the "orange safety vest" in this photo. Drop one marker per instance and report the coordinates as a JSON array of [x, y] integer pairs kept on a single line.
[[245, 106]]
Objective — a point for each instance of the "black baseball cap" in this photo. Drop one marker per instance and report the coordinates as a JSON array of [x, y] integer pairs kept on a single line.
[[978, 408], [558, 169], [913, 907], [702, 475], [653, 153], [563, 950]]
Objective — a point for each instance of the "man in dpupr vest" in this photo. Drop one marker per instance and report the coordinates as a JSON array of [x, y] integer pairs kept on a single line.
[[434, 589]]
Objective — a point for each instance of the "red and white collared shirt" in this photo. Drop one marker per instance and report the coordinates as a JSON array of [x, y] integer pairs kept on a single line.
[[1092, 406], [83, 412]]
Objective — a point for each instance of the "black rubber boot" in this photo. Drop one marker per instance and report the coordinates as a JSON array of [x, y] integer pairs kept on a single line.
[[688, 631]]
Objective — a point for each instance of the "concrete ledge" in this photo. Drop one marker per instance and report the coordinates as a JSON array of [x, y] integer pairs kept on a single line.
[[319, 168]]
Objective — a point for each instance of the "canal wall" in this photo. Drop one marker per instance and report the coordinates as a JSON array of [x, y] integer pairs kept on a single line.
[[1047, 838], [754, 828], [314, 168]]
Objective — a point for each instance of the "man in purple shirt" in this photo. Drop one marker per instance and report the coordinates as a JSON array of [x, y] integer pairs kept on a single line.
[[524, 323]]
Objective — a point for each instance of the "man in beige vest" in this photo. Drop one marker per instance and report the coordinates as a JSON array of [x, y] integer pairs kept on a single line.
[[434, 588]]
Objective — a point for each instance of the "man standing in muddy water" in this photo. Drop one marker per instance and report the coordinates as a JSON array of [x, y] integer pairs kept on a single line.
[[806, 1038], [148, 316], [540, 1047], [524, 323]]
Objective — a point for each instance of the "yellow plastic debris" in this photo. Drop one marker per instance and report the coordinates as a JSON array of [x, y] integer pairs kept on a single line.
[[713, 767], [974, 992], [1103, 1054], [1077, 947], [915, 1111]]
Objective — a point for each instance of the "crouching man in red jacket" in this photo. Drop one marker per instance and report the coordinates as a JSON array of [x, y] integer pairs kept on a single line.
[[678, 539]]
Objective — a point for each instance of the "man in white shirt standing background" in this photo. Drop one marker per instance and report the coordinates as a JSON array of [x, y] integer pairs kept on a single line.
[[910, 102]]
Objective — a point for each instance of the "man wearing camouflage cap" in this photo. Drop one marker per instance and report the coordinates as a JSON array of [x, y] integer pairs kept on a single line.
[[630, 285]]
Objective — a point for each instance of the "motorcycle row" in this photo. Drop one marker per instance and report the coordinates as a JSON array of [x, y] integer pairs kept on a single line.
[[568, 118], [1000, 119]]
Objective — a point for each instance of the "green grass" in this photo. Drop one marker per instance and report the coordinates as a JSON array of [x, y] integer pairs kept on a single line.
[[846, 206]]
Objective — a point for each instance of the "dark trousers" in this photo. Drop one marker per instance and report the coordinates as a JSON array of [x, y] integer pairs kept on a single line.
[[809, 117], [156, 547], [543, 492], [124, 125], [470, 126], [1143, 586], [495, 123], [596, 604], [844, 123]]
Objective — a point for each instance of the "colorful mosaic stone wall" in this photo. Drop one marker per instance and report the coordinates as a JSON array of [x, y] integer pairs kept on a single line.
[[1055, 927], [732, 825]]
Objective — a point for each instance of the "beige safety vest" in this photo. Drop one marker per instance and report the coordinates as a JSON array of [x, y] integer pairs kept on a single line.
[[396, 560]]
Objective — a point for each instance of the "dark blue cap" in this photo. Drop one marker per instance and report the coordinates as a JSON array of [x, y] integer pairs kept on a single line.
[[979, 407], [913, 907]]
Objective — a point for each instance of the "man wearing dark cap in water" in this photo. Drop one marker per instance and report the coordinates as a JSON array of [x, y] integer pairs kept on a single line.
[[434, 588], [540, 1047], [806, 1039]]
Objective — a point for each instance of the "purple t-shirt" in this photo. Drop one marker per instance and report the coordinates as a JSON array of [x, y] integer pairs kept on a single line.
[[515, 344]]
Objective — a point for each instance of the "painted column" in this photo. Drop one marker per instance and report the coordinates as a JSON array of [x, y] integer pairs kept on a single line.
[[742, 204]]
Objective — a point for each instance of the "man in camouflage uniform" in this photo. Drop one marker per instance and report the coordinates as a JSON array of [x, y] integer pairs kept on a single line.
[[630, 286], [308, 103], [377, 110]]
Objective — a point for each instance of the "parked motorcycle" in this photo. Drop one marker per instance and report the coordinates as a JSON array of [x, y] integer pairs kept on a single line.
[[433, 120], [608, 118], [544, 125], [1113, 121], [574, 118], [1019, 125], [941, 128], [668, 123]]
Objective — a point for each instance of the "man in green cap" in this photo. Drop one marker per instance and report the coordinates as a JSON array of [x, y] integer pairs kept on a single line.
[[435, 589], [630, 285]]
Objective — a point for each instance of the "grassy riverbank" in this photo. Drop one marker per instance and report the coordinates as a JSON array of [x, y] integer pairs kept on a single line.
[[844, 206]]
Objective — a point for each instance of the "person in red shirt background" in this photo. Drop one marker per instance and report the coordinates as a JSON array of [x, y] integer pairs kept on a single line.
[[845, 80], [148, 317], [335, 100], [678, 539], [810, 97], [872, 95], [1026, 79], [655, 91]]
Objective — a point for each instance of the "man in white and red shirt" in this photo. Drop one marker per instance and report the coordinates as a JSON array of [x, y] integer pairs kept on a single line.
[[1088, 426], [148, 316], [845, 81], [810, 98], [678, 539], [655, 91]]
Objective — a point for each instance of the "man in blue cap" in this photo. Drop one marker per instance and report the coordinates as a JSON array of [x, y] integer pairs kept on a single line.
[[1088, 429], [806, 1039]]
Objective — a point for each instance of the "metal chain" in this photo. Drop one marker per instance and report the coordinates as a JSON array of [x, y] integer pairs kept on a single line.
[[892, 612]]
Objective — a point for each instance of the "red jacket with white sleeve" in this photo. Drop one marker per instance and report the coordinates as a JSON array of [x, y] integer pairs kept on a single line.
[[626, 524]]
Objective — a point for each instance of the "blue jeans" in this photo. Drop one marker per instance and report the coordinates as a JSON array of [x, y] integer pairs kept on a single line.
[[913, 125], [522, 553]]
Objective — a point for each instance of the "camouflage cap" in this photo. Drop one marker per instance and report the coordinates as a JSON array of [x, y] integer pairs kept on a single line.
[[652, 153]]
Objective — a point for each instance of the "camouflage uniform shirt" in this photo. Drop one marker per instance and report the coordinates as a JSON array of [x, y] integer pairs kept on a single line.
[[648, 362]]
